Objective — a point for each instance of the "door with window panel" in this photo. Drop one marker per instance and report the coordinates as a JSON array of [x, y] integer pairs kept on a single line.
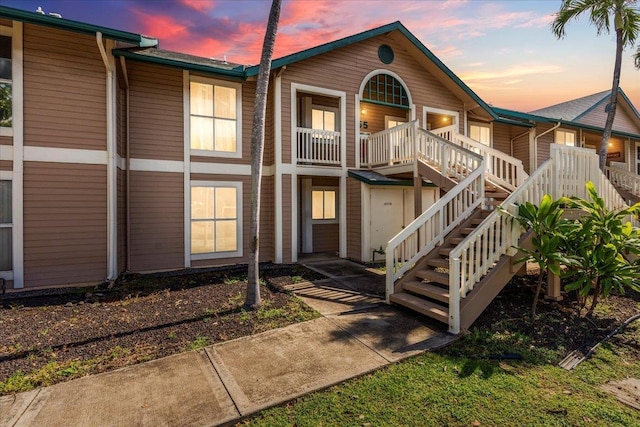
[[6, 227]]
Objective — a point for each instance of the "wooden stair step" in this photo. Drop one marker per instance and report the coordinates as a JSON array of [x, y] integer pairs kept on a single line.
[[496, 194], [445, 250], [428, 308], [433, 276], [456, 240], [493, 202], [467, 230], [438, 262], [428, 290]]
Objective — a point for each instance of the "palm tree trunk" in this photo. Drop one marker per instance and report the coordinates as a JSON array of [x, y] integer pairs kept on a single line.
[[613, 103], [253, 300]]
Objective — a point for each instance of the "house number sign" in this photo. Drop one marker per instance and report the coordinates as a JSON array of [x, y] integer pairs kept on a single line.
[[364, 124]]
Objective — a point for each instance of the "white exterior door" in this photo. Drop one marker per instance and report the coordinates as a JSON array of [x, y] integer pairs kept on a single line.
[[387, 215]]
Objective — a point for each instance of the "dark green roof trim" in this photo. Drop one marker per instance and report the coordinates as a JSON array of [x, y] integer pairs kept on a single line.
[[540, 119], [593, 107], [234, 74], [386, 104], [75, 26], [328, 47], [374, 178]]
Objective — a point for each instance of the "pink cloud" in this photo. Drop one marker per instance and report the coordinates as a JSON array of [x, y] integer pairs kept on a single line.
[[199, 5]]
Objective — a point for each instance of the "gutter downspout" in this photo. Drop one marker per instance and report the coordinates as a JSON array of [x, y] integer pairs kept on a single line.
[[514, 138], [112, 242], [127, 194], [535, 142]]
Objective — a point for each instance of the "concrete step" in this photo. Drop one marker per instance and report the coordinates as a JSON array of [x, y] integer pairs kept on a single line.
[[433, 276], [428, 308], [428, 290]]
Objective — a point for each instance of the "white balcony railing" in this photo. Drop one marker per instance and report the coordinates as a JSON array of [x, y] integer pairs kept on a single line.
[[320, 147], [390, 147]]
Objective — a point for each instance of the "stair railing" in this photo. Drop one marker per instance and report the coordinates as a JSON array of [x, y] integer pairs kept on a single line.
[[389, 147], [624, 179], [502, 169], [431, 227], [563, 175]]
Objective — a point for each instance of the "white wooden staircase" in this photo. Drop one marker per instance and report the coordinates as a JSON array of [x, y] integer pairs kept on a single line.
[[452, 260]]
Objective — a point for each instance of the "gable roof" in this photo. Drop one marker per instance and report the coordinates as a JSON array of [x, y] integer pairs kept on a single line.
[[574, 109], [75, 26], [366, 35]]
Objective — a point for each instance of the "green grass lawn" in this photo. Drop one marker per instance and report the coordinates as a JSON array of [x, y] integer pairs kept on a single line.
[[454, 387]]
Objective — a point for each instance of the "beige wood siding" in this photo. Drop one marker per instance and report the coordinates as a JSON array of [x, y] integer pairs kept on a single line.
[[155, 112], [6, 165], [521, 145], [122, 220], [326, 237], [6, 140], [65, 223], [344, 69], [157, 221], [354, 219], [544, 142], [64, 90], [502, 138], [622, 122], [375, 114], [286, 218], [121, 120], [269, 132]]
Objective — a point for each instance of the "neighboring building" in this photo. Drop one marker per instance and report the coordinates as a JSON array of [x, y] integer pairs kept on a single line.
[[117, 156]]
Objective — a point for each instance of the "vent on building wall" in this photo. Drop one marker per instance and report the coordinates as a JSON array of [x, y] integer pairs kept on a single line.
[[385, 53]]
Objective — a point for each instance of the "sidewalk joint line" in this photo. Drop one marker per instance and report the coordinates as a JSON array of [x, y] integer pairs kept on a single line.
[[213, 365], [26, 407]]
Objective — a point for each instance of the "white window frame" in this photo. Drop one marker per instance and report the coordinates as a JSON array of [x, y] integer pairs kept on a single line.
[[7, 176], [483, 125], [8, 32], [322, 108], [566, 131], [239, 198], [335, 220], [214, 82], [440, 111]]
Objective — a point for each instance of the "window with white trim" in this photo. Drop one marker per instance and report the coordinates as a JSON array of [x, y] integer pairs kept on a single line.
[[6, 82], [566, 137], [480, 132], [324, 204], [322, 119], [216, 219], [6, 227], [215, 118]]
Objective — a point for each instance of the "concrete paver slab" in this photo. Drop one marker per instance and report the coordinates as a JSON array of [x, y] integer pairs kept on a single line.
[[179, 390], [392, 333], [336, 267], [626, 391], [328, 296], [279, 365], [12, 407]]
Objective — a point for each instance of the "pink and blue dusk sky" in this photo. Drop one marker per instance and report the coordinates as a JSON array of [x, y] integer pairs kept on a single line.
[[504, 50]]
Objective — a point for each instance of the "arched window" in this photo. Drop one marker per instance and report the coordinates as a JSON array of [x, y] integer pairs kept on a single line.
[[386, 90]]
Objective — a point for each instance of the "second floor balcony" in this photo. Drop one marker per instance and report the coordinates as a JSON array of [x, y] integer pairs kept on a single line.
[[318, 147]]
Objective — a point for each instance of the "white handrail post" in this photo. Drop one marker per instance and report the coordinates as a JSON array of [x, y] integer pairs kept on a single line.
[[389, 262], [454, 297]]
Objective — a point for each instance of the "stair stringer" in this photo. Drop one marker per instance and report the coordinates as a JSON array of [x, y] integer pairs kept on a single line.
[[432, 174], [485, 291]]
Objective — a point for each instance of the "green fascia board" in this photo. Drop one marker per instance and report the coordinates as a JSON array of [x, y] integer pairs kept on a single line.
[[75, 26], [234, 74], [328, 47], [534, 118], [395, 182], [593, 107]]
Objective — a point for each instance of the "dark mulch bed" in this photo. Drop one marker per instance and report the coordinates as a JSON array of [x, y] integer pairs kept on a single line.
[[52, 337], [558, 329]]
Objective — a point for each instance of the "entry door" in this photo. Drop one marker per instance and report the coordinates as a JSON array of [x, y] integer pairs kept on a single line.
[[387, 215], [637, 157]]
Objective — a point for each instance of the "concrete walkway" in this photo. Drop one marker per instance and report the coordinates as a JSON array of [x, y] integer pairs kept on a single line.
[[225, 382]]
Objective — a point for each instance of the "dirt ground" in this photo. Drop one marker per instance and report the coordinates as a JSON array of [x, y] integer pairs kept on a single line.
[[48, 338]]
